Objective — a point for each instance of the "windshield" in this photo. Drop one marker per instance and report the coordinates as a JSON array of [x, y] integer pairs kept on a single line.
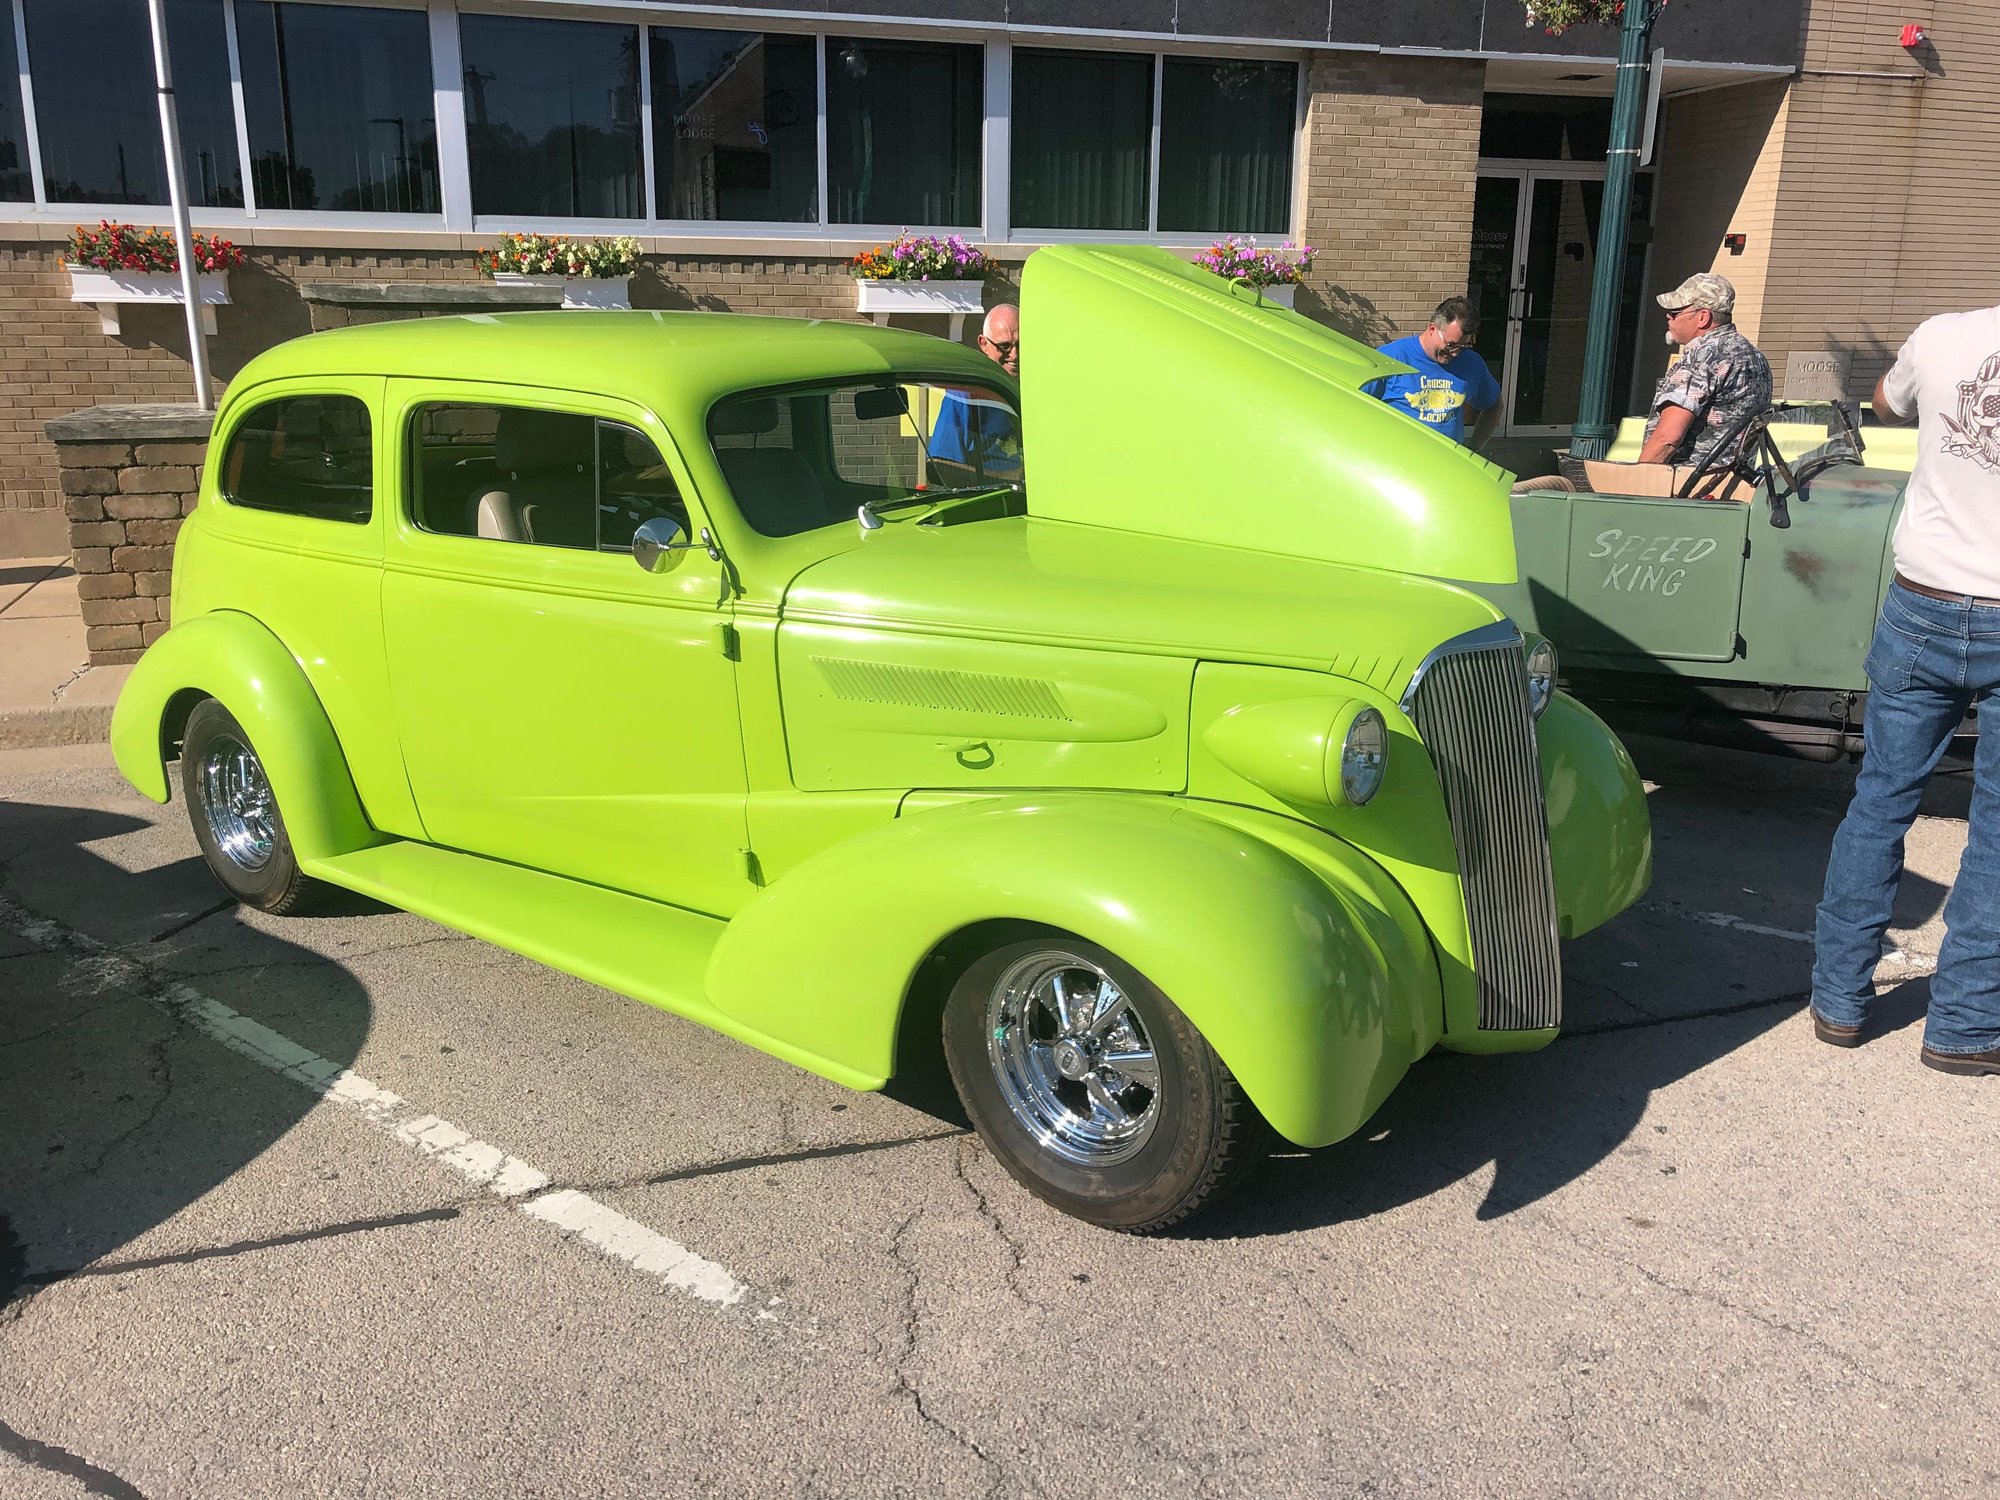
[[799, 460]]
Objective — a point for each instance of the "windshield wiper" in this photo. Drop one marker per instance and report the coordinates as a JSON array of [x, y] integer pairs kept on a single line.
[[869, 512]]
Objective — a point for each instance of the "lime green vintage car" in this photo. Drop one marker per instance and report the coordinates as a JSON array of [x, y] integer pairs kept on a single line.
[[727, 662]]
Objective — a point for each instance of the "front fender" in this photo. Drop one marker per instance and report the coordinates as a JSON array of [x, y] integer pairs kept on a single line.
[[1302, 977], [237, 661], [1600, 833]]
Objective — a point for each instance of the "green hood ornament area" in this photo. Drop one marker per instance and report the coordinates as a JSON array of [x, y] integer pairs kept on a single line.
[[1173, 801]]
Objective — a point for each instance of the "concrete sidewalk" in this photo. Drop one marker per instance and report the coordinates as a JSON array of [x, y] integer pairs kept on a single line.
[[49, 693]]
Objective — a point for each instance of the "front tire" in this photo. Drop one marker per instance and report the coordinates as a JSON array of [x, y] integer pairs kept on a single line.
[[1092, 1089], [236, 817]]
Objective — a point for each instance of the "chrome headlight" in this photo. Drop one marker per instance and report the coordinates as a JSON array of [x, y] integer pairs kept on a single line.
[[1541, 676], [1364, 756]]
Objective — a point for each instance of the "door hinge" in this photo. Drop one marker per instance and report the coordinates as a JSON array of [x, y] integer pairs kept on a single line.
[[753, 869], [1742, 646], [1746, 546], [730, 641]]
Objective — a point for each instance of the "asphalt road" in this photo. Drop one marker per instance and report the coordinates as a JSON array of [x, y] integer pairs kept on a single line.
[[548, 1242]]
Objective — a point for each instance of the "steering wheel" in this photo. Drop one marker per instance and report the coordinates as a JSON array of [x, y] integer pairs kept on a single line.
[[1747, 441]]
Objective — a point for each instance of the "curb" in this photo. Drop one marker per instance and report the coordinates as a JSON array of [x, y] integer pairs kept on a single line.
[[59, 724]]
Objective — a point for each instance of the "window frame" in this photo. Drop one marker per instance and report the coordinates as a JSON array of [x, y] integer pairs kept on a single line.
[[405, 396], [794, 388], [362, 394], [413, 451], [454, 174]]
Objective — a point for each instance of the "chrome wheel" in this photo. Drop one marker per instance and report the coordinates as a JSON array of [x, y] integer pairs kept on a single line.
[[1072, 1058], [236, 801]]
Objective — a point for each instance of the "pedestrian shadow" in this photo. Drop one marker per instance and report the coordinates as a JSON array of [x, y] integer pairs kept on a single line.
[[116, 1111]]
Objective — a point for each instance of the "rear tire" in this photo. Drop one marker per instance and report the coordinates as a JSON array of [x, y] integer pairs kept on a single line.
[[1093, 1090], [236, 817]]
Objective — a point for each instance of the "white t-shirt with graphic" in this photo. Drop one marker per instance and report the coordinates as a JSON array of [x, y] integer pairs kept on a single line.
[[1949, 374]]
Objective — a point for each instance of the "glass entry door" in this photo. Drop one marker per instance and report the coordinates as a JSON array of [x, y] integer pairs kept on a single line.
[[1534, 257]]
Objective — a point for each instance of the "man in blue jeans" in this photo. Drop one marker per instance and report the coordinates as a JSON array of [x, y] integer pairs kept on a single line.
[[1936, 655]]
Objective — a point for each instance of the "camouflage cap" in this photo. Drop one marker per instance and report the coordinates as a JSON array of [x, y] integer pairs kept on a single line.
[[1703, 289]]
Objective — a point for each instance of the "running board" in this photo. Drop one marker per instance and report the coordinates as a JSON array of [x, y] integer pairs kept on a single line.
[[645, 949]]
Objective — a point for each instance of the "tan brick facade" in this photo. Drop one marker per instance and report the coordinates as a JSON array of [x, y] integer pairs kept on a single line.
[[1390, 163], [1869, 187]]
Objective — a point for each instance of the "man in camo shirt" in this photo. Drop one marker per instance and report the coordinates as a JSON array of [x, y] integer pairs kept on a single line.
[[1721, 376]]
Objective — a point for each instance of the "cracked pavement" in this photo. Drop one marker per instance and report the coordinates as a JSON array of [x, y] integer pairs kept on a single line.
[[1686, 1250]]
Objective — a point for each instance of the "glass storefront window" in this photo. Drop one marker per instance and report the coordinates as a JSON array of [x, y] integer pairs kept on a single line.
[[902, 131], [735, 125], [552, 117], [1226, 129], [97, 111], [1083, 125], [338, 100], [17, 183]]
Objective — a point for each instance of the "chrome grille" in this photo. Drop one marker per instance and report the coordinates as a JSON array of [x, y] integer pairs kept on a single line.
[[1469, 701]]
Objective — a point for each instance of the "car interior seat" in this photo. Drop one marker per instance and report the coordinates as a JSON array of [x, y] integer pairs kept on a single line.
[[777, 488], [548, 495]]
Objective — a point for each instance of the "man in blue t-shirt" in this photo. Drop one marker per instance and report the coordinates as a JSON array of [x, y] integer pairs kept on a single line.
[[976, 429], [1448, 380]]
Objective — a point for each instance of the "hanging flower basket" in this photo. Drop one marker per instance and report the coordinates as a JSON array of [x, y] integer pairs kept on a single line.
[[921, 273], [117, 264], [885, 297], [588, 273], [1273, 274], [600, 292], [1557, 16]]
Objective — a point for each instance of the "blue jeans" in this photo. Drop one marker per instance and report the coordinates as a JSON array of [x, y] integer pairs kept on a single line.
[[1930, 662]]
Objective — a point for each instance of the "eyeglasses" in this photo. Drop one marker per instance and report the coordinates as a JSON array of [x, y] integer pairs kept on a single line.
[[1003, 348]]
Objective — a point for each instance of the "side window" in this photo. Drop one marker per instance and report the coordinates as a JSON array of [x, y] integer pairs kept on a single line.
[[547, 478], [303, 456]]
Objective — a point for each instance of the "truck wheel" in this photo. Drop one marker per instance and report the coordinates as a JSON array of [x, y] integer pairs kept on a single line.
[[1092, 1089], [236, 819]]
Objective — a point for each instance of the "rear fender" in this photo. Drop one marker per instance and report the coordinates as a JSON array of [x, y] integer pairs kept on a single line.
[[233, 659], [1303, 979]]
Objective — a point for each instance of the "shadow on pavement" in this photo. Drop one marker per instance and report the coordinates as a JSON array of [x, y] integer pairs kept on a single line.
[[115, 1113]]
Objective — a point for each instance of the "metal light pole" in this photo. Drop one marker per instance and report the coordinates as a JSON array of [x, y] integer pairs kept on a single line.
[[170, 135], [1591, 436]]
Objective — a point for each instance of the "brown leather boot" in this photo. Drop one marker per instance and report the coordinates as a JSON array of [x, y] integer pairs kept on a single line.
[[1969, 1063], [1833, 1033]]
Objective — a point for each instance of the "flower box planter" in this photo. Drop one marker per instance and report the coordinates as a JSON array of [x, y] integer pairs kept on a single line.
[[600, 292], [952, 299], [1282, 295], [111, 289]]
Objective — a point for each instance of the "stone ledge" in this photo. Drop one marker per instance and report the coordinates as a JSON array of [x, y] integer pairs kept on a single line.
[[131, 424], [427, 294]]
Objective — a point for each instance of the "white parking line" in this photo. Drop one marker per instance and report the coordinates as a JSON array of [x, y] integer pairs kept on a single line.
[[1725, 919], [577, 1214]]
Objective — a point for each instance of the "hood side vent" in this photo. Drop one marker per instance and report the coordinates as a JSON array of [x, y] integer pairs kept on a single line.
[[948, 691]]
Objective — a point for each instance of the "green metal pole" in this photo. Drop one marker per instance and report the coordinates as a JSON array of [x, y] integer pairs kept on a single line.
[[1591, 436]]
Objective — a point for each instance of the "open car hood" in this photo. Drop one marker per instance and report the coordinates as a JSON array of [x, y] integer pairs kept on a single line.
[[1158, 398]]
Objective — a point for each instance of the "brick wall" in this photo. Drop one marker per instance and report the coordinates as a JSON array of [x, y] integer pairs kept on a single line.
[[1390, 164], [1721, 155], [125, 501]]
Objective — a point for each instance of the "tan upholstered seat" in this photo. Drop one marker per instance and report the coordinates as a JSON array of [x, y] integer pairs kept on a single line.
[[549, 496]]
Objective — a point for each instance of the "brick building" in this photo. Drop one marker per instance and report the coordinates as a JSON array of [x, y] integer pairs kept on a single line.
[[361, 153]]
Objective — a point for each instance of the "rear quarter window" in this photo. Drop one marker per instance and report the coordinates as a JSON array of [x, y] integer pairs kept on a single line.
[[303, 456]]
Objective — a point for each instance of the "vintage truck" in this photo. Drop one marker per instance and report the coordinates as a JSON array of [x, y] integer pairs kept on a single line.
[[1173, 797]]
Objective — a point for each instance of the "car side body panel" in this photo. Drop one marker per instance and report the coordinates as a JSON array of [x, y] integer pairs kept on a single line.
[[1309, 979]]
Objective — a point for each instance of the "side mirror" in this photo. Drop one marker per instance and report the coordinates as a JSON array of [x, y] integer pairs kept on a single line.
[[656, 541]]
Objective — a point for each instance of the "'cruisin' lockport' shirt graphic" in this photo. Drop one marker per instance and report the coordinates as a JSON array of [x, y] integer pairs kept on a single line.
[[1437, 395]]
